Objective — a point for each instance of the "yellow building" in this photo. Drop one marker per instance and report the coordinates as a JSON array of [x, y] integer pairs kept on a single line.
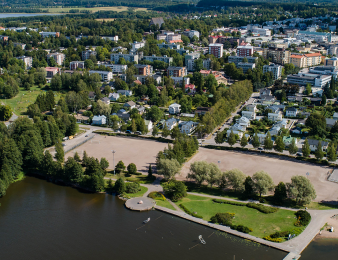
[[306, 60]]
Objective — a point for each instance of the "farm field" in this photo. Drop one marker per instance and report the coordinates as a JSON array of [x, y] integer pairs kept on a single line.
[[92, 9]]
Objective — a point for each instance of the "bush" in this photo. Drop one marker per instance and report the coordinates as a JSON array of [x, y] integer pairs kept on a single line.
[[175, 190], [186, 210], [277, 240], [241, 228], [280, 234], [303, 218], [156, 196], [262, 208], [229, 202], [133, 187], [137, 173], [223, 218], [262, 200]]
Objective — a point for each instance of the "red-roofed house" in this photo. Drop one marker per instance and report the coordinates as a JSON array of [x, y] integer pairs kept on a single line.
[[51, 71], [190, 88]]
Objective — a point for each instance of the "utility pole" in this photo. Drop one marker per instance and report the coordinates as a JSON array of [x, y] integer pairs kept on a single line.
[[113, 151]]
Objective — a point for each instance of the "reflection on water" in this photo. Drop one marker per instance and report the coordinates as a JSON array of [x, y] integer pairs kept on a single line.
[[324, 248], [41, 220], [8, 15]]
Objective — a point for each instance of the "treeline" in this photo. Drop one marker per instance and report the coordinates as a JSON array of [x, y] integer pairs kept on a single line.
[[228, 100]]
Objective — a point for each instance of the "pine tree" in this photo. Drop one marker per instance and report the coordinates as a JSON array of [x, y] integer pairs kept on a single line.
[[150, 172], [232, 138], [133, 126], [319, 152], [293, 147], [306, 148], [244, 141], [279, 144], [77, 157], [155, 131], [331, 153], [268, 143], [219, 139], [165, 131], [60, 153], [255, 141], [85, 159]]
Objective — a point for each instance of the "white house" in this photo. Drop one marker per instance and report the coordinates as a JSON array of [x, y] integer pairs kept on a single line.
[[274, 130], [170, 123], [114, 96], [174, 109], [239, 133], [275, 117], [187, 127], [149, 124], [243, 121], [124, 92], [249, 115], [251, 108], [99, 120], [291, 112], [261, 138], [314, 145]]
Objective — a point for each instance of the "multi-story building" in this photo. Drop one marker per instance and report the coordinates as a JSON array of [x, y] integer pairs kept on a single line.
[[111, 38], [105, 75], [331, 62], [73, 65], [51, 71], [277, 55], [27, 60], [262, 32], [189, 60], [164, 58], [48, 34], [191, 33], [21, 45], [275, 69], [171, 46], [169, 37], [216, 49], [207, 64], [246, 66], [115, 57], [306, 60], [238, 59], [325, 70], [145, 70], [58, 57], [245, 51], [315, 80], [86, 54], [137, 45], [116, 68], [176, 71]]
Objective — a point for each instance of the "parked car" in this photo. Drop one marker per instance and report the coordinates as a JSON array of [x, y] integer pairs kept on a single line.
[[299, 154], [260, 149], [128, 132], [138, 132], [86, 135], [63, 144]]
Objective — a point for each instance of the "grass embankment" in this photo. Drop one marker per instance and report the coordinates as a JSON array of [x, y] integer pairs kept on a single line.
[[262, 224], [21, 101], [92, 9], [165, 204]]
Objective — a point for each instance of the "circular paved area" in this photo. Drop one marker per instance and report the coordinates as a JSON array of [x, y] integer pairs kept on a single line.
[[134, 204]]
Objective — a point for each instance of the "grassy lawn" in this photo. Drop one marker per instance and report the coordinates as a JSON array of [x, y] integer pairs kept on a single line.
[[92, 9], [138, 194], [20, 102], [262, 224], [142, 179], [321, 206], [165, 204]]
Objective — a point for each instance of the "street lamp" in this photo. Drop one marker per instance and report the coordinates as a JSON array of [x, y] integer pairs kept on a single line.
[[113, 151], [219, 163]]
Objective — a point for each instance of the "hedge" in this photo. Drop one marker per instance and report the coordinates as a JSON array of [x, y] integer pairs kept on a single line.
[[226, 219], [277, 240], [186, 210], [229, 202], [262, 208]]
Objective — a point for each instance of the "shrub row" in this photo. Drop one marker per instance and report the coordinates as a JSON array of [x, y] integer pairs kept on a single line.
[[276, 240], [262, 208], [186, 210], [156, 196], [226, 219], [229, 202]]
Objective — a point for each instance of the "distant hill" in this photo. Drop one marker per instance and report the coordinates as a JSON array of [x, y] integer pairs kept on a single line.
[[233, 3]]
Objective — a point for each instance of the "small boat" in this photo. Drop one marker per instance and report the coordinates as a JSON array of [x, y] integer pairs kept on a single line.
[[201, 239], [146, 221]]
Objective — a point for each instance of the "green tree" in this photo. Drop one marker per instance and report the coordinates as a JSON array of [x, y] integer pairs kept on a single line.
[[77, 157], [232, 138], [319, 152], [175, 132], [120, 186], [219, 139], [331, 152], [110, 185], [175, 190], [120, 167], [131, 168], [293, 147], [306, 148], [5, 112], [255, 141], [235, 179], [168, 168], [301, 189], [73, 170], [104, 163], [155, 131], [248, 186], [60, 153], [244, 141], [323, 100], [133, 126], [279, 144], [280, 192], [165, 131], [262, 182], [268, 143]]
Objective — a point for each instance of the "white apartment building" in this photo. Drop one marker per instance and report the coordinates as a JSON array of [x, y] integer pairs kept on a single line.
[[105, 75], [73, 65], [58, 57], [164, 58], [115, 57], [111, 38], [245, 66], [275, 69], [86, 54], [48, 34], [275, 116], [262, 32], [137, 45], [316, 80], [116, 68], [27, 60]]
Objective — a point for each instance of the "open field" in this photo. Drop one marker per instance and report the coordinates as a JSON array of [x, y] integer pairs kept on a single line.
[[20, 102], [262, 224], [129, 150], [279, 169], [92, 9]]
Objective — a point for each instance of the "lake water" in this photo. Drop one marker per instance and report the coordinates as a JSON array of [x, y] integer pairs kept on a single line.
[[41, 220], [10, 15]]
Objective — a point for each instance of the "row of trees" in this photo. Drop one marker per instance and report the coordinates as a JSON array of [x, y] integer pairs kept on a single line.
[[260, 183]]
